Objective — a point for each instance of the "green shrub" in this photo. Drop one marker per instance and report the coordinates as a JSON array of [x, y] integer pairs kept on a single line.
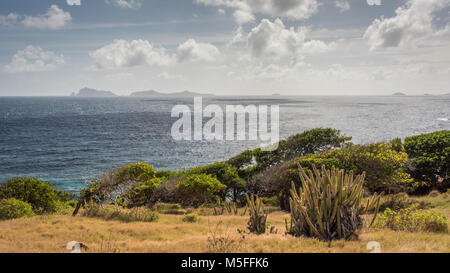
[[166, 208], [430, 158], [270, 201], [72, 203], [227, 175], [383, 164], [412, 220], [141, 194], [64, 196], [136, 172], [165, 174], [314, 141], [308, 142], [241, 161], [39, 194], [12, 208], [191, 218], [199, 188], [113, 185]]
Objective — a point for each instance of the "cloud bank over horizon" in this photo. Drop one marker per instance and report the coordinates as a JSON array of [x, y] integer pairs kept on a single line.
[[227, 47]]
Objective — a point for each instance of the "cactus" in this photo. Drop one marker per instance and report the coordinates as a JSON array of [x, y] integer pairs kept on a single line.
[[231, 207], [329, 205], [258, 217]]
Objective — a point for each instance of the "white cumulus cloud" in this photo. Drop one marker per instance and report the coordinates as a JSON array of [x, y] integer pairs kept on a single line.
[[33, 59], [342, 5], [127, 4], [9, 20], [245, 9], [123, 53], [272, 40], [54, 18], [194, 51], [413, 22]]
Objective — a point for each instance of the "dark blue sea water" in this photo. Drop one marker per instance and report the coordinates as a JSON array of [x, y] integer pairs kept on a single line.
[[68, 140]]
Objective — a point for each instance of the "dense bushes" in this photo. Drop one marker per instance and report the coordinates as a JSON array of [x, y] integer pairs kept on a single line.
[[188, 190], [197, 189], [140, 194], [412, 220], [138, 172], [12, 208], [227, 175], [312, 141], [128, 184], [39, 194], [383, 165], [267, 174], [429, 156]]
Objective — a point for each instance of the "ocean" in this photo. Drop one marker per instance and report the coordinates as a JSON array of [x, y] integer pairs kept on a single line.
[[69, 140]]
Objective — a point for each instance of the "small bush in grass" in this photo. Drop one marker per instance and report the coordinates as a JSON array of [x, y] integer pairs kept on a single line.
[[191, 218], [167, 208], [412, 220], [400, 201], [224, 241], [13, 208], [270, 201], [65, 208], [39, 194], [138, 214]]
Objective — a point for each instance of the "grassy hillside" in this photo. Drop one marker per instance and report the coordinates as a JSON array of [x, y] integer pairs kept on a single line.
[[51, 233]]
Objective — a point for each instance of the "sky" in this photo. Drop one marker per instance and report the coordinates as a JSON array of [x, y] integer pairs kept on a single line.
[[225, 47]]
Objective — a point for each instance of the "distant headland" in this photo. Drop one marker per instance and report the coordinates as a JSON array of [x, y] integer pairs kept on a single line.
[[89, 92]]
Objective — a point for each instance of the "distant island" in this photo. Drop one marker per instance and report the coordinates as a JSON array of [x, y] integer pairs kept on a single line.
[[399, 94], [88, 92]]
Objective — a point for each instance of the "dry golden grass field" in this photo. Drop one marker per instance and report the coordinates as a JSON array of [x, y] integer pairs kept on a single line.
[[51, 233]]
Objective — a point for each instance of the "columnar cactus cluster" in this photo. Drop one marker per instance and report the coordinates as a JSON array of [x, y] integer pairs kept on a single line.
[[258, 217], [329, 205]]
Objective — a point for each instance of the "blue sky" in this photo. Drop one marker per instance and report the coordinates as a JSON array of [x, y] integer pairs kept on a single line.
[[226, 47]]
